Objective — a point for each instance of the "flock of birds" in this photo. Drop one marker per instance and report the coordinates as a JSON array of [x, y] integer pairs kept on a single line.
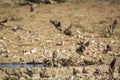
[[68, 32], [83, 45]]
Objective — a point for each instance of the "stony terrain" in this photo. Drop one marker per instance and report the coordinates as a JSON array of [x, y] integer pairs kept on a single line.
[[30, 37]]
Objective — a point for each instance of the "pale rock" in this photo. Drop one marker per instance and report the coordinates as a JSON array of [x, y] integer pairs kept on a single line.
[[33, 50], [3, 50], [78, 32], [8, 51], [63, 51], [113, 42], [15, 56], [81, 37], [22, 78], [26, 53], [85, 38], [60, 43], [93, 42], [2, 41], [27, 32], [62, 37], [92, 36], [95, 49], [36, 76], [82, 57], [39, 35], [48, 41], [109, 52]]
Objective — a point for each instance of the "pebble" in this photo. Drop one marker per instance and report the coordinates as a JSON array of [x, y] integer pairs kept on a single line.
[[26, 53], [3, 50], [48, 41], [2, 41], [60, 43], [92, 36], [22, 78], [15, 56], [33, 50], [93, 42], [113, 42]]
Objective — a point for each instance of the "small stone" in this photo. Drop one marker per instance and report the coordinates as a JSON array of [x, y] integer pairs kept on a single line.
[[113, 42], [2, 41], [82, 57], [48, 41], [15, 56], [63, 51], [78, 32], [92, 36], [3, 50], [26, 53], [60, 43], [22, 78], [92, 41], [33, 50]]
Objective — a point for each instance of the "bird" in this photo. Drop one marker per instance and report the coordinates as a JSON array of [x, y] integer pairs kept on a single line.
[[81, 48], [84, 70], [34, 63], [119, 70], [100, 61], [3, 22], [87, 43], [31, 8], [57, 24], [112, 66], [113, 26], [68, 31], [47, 63], [107, 48], [75, 71], [16, 28]]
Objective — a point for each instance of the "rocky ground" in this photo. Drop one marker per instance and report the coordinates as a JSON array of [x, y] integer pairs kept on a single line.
[[30, 37]]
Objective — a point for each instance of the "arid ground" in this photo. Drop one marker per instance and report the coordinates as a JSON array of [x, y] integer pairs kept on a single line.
[[36, 38]]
